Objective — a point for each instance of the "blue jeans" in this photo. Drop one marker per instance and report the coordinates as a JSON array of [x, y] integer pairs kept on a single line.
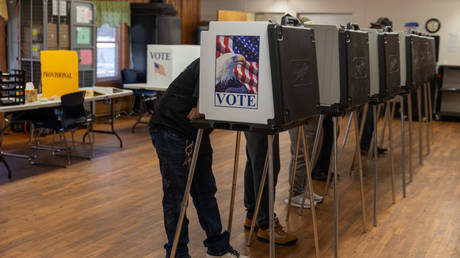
[[170, 149]]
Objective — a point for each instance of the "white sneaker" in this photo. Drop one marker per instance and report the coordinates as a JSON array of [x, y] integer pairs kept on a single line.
[[231, 254], [297, 201]]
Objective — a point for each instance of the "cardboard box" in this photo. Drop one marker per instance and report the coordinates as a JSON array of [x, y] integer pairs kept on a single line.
[[32, 51], [64, 36], [52, 35], [36, 32]]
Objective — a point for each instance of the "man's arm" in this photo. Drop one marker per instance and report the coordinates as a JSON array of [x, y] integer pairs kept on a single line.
[[195, 112]]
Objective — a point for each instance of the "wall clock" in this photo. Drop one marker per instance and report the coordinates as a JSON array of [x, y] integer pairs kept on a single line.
[[433, 25]]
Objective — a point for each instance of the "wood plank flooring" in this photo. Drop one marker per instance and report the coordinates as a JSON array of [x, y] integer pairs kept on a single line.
[[110, 206]]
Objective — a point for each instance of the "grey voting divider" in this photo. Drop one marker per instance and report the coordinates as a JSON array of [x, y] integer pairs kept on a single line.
[[343, 67], [389, 63], [83, 40]]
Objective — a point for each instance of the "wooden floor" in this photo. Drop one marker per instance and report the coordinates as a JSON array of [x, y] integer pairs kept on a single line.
[[110, 206]]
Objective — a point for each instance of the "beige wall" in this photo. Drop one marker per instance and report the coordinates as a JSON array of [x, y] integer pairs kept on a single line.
[[364, 11]]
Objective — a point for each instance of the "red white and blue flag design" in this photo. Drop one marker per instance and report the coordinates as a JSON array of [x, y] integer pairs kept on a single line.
[[159, 68], [237, 64]]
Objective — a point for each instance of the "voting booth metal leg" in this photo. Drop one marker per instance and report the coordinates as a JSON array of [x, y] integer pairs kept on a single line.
[[308, 169], [382, 137], [361, 130], [259, 198], [374, 133], [419, 107], [390, 148], [427, 119], [271, 195], [409, 113], [293, 172], [339, 154], [319, 128], [235, 177], [336, 191], [187, 191], [374, 110], [430, 109], [361, 178], [403, 148]]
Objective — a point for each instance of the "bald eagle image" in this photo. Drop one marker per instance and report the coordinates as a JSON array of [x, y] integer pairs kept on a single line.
[[226, 80]]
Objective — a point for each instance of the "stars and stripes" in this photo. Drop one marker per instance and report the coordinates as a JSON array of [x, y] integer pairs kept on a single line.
[[247, 46], [159, 68]]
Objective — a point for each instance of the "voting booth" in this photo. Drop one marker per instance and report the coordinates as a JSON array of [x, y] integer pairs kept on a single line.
[[166, 62], [258, 73], [343, 66], [430, 62], [384, 61]]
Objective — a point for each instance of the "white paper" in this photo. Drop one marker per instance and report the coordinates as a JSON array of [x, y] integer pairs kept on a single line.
[[61, 5], [83, 14], [452, 43]]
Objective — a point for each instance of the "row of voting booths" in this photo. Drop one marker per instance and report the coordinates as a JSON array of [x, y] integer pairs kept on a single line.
[[259, 76]]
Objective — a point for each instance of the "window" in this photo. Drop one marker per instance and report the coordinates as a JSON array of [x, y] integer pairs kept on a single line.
[[107, 52]]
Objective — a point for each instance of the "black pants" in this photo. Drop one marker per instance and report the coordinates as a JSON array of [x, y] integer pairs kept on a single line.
[[256, 151]]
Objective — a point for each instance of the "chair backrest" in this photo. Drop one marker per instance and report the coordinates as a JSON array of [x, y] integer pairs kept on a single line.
[[73, 109], [129, 76]]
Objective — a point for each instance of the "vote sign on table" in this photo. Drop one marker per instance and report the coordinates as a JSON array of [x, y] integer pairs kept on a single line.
[[166, 62]]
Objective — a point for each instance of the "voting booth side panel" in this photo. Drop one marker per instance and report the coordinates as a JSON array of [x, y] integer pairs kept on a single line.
[[328, 66], [294, 74], [159, 65], [358, 67], [402, 58], [59, 72], [390, 65], [235, 74], [182, 56], [374, 75]]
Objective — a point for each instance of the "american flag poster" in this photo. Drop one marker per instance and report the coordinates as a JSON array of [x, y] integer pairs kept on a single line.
[[159, 68], [237, 71]]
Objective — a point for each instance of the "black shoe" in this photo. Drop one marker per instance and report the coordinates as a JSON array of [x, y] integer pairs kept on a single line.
[[320, 175], [381, 150]]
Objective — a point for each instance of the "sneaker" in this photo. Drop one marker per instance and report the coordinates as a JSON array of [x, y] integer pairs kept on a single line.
[[230, 254], [248, 224], [281, 237], [297, 201]]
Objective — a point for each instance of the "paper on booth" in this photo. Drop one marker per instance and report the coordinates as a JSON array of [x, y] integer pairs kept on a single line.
[[235, 75]]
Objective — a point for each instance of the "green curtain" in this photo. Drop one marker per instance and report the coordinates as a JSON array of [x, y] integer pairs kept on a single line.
[[112, 13]]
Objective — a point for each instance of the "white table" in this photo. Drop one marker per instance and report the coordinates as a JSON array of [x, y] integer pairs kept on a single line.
[[144, 86], [101, 93]]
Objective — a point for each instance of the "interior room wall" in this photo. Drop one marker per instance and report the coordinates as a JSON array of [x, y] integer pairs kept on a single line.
[[3, 52], [364, 12]]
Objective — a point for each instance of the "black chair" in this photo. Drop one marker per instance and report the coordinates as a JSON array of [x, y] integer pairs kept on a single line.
[[70, 116], [141, 96]]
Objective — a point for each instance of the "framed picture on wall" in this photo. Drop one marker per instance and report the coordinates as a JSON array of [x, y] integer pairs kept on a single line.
[[325, 18], [263, 16]]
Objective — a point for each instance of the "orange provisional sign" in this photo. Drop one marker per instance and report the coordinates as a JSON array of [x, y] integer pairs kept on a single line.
[[59, 70]]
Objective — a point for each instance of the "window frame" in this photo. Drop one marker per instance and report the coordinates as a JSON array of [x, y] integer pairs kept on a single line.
[[116, 78]]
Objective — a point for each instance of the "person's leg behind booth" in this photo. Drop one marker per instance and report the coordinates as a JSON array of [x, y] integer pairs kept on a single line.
[[321, 168], [310, 127], [171, 153], [256, 151]]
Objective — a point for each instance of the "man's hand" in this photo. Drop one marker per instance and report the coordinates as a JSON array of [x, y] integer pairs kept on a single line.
[[195, 112]]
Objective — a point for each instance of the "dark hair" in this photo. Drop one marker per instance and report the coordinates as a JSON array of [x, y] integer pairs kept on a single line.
[[381, 23]]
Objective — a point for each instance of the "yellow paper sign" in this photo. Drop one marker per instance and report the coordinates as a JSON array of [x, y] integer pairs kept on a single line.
[[59, 69]]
